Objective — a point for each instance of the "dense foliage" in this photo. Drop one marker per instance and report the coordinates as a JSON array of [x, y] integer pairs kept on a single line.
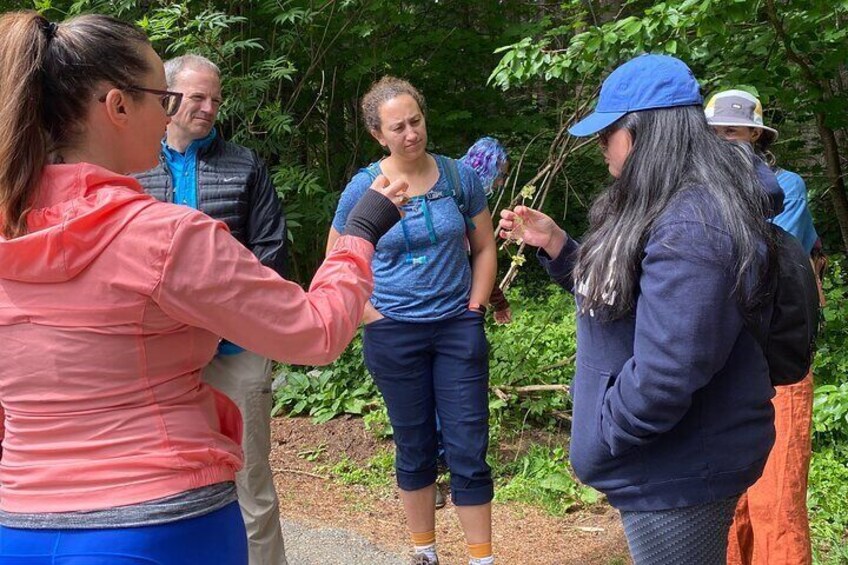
[[294, 71], [792, 53], [828, 493]]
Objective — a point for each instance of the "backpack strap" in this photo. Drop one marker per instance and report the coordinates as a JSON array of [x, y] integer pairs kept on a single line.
[[455, 182], [373, 171]]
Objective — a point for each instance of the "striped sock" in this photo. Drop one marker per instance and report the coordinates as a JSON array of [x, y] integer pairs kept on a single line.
[[481, 554], [425, 544]]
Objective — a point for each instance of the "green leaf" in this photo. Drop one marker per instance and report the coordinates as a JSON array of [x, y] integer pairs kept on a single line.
[[560, 482], [670, 46]]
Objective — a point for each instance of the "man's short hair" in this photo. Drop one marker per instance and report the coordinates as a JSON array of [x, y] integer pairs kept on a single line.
[[173, 67]]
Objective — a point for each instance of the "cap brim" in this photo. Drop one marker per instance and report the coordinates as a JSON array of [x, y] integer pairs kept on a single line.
[[741, 123], [594, 122]]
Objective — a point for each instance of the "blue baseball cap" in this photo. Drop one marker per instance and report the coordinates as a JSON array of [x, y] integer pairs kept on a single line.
[[643, 83]]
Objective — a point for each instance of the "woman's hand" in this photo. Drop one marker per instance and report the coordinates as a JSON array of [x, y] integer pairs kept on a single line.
[[370, 314], [502, 317], [394, 191], [532, 227], [377, 211]]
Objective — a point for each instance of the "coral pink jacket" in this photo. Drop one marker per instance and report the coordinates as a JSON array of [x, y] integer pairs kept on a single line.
[[109, 308]]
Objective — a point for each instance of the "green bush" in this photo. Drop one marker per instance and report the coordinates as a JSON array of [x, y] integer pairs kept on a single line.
[[542, 477], [538, 347], [827, 500], [324, 393], [830, 414], [377, 473], [827, 495]]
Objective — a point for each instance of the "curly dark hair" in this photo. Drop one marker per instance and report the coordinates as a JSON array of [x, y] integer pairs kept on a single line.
[[381, 92]]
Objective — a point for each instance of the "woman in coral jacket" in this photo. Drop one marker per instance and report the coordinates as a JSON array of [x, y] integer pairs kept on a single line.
[[114, 451]]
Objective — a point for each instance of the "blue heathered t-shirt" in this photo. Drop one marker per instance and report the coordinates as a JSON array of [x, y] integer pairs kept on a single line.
[[424, 275]]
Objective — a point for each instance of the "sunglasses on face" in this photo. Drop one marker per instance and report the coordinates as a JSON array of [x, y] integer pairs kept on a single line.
[[604, 136], [170, 101]]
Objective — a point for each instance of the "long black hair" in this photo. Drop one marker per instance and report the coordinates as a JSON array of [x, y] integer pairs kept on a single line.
[[673, 148]]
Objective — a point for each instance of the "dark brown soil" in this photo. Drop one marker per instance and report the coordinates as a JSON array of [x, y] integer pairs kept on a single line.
[[301, 451]]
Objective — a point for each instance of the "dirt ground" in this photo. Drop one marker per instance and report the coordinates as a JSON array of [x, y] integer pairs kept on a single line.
[[522, 534]]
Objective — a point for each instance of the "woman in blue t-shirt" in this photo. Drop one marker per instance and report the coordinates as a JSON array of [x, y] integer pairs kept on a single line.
[[424, 341]]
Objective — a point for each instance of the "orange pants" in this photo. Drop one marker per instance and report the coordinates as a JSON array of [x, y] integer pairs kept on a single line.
[[771, 526]]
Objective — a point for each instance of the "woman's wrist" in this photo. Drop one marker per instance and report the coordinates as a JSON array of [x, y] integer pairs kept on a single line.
[[372, 217], [477, 307], [556, 243]]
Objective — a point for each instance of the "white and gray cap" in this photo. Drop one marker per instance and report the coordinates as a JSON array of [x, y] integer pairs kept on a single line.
[[738, 108]]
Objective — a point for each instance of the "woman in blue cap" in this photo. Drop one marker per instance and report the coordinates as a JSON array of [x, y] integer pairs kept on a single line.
[[672, 416]]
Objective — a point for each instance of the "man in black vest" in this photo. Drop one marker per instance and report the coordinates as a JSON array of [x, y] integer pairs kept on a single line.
[[230, 183]]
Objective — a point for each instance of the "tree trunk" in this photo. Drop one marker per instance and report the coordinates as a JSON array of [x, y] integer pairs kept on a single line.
[[834, 173]]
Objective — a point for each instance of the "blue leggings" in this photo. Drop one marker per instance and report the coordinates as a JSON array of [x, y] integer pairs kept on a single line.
[[425, 369], [218, 537]]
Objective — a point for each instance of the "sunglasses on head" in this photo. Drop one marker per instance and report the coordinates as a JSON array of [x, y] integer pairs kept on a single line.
[[170, 101]]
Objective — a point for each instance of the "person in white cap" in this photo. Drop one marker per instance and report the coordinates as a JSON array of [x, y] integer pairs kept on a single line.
[[771, 525]]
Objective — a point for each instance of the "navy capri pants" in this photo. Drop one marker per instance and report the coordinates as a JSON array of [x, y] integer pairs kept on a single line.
[[425, 368]]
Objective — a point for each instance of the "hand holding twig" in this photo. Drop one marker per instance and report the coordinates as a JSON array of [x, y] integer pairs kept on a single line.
[[533, 228]]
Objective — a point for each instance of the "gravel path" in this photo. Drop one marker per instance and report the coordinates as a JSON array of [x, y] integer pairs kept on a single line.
[[330, 546]]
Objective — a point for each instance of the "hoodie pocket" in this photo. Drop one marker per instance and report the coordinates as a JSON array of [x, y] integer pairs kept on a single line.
[[588, 450]]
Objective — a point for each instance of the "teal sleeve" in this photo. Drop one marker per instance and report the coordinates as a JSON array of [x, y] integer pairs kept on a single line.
[[796, 218]]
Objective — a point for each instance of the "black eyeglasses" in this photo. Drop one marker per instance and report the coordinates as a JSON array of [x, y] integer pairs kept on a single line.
[[170, 100]]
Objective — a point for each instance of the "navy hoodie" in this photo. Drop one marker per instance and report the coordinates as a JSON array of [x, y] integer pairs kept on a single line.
[[672, 404]]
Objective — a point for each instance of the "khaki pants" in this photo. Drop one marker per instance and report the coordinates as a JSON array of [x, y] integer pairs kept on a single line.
[[246, 379], [771, 525]]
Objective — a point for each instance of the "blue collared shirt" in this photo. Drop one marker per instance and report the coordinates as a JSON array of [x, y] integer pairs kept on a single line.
[[183, 167]]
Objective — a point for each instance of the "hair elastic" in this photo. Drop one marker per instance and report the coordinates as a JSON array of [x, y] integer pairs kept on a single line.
[[49, 29]]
